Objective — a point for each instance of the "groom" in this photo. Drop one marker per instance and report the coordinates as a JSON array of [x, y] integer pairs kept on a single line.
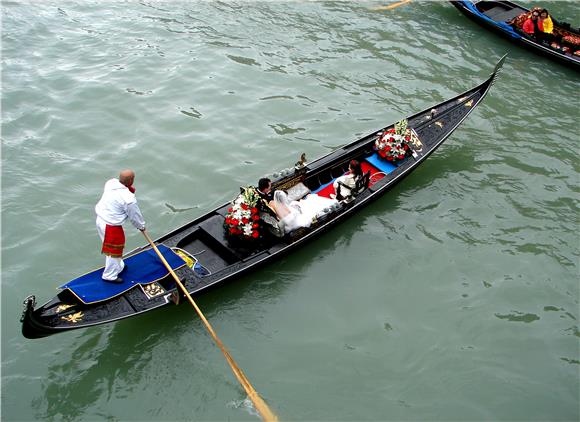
[[265, 189], [267, 214], [266, 196]]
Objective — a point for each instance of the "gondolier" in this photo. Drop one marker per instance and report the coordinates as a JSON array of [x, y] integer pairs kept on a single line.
[[117, 204]]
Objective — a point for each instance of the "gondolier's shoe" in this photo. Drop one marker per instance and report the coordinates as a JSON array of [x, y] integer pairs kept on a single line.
[[118, 280]]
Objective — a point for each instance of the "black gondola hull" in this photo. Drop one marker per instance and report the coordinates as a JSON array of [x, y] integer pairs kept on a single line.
[[499, 28], [206, 233]]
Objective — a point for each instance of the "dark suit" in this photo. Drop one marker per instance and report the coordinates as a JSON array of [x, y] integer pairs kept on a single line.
[[264, 203], [265, 196], [268, 217]]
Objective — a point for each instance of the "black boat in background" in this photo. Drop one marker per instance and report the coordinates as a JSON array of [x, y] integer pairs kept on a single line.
[[506, 19], [213, 259]]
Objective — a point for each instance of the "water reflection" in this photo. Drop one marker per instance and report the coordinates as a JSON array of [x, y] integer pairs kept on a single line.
[[517, 316], [105, 363], [100, 361]]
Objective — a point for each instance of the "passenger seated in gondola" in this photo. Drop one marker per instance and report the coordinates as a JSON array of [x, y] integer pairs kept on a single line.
[[531, 25], [545, 23], [296, 214], [289, 213], [344, 185], [268, 216], [265, 189]]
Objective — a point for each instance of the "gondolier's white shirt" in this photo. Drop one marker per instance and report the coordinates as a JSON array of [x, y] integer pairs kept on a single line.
[[117, 204]]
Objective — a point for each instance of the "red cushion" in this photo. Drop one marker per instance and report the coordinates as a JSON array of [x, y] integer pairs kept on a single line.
[[366, 166], [326, 191]]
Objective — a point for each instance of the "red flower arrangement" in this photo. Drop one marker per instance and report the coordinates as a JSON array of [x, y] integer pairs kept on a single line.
[[392, 144], [242, 219]]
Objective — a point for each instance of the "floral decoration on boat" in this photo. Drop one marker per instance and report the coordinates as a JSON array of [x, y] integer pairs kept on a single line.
[[393, 144], [243, 219]]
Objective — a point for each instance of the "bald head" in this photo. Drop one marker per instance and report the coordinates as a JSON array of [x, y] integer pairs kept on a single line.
[[127, 177]]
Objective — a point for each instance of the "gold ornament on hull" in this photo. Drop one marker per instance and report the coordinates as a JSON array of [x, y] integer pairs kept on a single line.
[[153, 290], [74, 318], [63, 307]]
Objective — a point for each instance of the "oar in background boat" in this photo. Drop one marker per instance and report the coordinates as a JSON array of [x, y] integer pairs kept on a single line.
[[260, 405], [392, 6]]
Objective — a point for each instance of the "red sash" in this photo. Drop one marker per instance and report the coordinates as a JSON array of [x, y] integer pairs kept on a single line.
[[114, 241]]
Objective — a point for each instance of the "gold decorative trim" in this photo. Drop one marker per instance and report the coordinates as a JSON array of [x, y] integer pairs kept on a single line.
[[469, 103], [440, 124], [152, 290], [415, 141], [287, 183], [74, 318], [63, 307]]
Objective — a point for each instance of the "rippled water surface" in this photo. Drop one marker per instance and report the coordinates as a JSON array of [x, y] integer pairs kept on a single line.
[[454, 297]]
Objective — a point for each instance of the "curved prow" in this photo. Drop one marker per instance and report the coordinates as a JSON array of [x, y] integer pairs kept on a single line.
[[498, 67], [493, 76]]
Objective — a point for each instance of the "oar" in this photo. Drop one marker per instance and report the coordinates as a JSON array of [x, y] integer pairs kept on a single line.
[[392, 6], [259, 403]]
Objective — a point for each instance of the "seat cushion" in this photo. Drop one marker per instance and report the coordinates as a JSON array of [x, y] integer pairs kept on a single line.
[[383, 165], [297, 192]]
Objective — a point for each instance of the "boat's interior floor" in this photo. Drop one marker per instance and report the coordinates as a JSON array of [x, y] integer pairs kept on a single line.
[[501, 14]]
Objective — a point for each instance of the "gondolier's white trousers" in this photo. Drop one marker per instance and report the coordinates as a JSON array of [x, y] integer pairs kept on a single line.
[[113, 266]]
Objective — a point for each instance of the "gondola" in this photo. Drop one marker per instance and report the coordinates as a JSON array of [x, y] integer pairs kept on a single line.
[[506, 19], [203, 253]]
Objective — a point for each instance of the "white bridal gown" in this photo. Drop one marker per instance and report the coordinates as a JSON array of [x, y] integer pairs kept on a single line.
[[302, 212]]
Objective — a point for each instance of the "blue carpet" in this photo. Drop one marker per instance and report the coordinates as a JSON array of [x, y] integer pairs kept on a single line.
[[141, 268], [382, 164]]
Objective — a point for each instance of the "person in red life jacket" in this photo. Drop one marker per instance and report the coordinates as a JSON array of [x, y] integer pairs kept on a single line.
[[531, 25], [117, 204]]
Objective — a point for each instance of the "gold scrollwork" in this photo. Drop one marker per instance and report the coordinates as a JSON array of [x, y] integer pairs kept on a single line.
[[440, 124], [74, 318], [153, 290], [415, 141], [287, 184], [63, 307], [469, 103]]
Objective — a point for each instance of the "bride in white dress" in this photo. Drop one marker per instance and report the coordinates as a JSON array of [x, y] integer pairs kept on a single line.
[[296, 214]]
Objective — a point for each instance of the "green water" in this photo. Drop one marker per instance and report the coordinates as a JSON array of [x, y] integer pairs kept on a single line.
[[454, 297]]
